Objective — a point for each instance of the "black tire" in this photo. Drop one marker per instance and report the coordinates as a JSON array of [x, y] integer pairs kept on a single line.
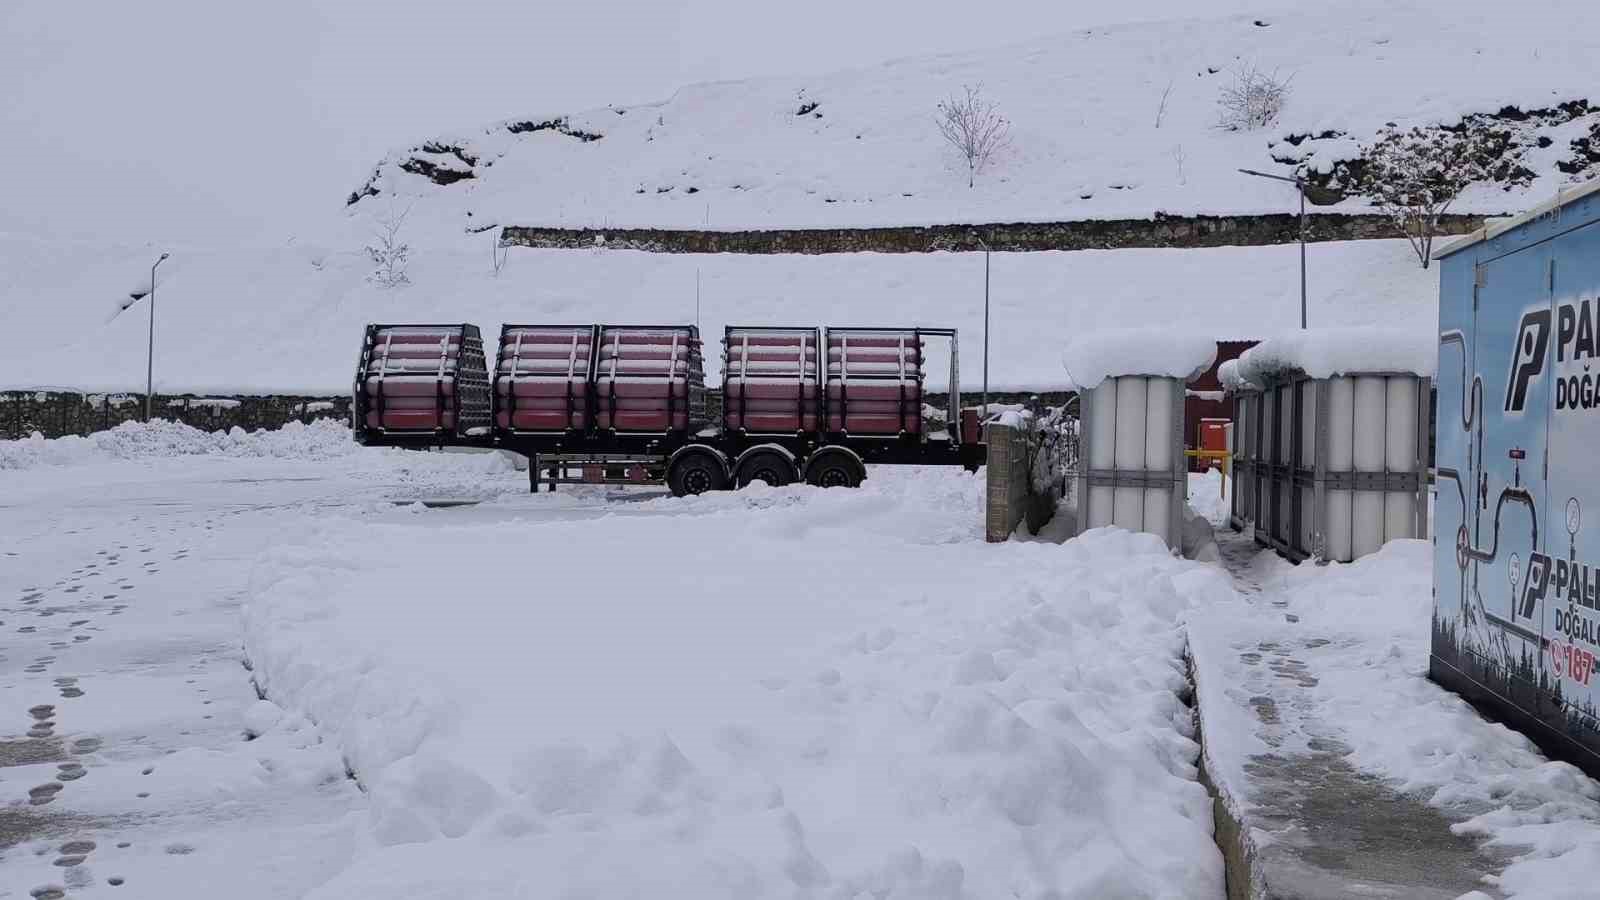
[[696, 473], [766, 465], [834, 470]]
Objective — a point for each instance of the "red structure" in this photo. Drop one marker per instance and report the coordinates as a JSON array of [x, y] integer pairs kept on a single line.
[[1205, 401]]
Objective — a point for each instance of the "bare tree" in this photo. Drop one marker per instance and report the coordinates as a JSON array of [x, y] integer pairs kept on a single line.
[[1252, 100], [1161, 111], [973, 125], [1413, 176], [389, 252], [501, 252]]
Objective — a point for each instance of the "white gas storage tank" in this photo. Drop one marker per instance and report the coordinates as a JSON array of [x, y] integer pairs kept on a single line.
[[1337, 461], [1131, 385]]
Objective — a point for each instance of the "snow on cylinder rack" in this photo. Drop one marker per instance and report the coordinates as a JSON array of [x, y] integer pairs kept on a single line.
[[626, 404]]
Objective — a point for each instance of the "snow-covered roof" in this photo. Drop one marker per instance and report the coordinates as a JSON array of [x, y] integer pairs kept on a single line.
[[1093, 357], [1501, 226], [1325, 352]]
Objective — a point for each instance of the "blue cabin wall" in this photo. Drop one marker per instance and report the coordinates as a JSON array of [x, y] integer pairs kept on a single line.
[[1516, 623]]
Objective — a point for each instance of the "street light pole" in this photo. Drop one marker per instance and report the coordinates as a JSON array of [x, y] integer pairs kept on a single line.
[[985, 325], [1302, 190], [150, 351], [1300, 186]]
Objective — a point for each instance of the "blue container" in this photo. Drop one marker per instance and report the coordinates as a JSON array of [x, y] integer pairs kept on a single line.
[[1516, 619]]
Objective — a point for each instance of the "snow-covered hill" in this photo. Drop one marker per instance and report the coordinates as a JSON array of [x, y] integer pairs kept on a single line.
[[289, 320], [1106, 123]]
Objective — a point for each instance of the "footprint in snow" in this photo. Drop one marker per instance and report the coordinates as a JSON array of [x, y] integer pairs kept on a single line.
[[70, 771], [44, 793], [42, 711], [86, 745], [48, 892]]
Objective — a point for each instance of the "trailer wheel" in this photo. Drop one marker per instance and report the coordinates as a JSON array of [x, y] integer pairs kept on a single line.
[[834, 469], [766, 465], [696, 473]]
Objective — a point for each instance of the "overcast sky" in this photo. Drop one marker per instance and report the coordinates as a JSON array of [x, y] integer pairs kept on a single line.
[[234, 120]]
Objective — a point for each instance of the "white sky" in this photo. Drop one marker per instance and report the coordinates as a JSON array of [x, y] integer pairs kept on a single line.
[[233, 120]]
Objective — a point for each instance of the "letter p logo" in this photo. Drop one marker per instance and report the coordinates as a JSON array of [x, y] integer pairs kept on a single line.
[[1527, 356]]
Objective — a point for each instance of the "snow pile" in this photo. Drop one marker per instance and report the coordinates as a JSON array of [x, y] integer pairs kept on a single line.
[[1231, 379], [1325, 352], [1107, 122], [1362, 630], [322, 439], [218, 333], [1093, 356], [1210, 497], [933, 718]]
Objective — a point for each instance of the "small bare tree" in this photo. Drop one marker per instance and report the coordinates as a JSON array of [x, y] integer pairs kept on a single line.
[[973, 125], [1161, 111], [1413, 176], [1253, 99], [501, 252], [389, 253]]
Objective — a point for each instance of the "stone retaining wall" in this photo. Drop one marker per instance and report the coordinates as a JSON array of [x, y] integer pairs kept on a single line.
[[1106, 234], [1011, 498], [58, 413]]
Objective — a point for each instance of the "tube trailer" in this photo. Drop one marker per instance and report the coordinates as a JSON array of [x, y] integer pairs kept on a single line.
[[627, 404]]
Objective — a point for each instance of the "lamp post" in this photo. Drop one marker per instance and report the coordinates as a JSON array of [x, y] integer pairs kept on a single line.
[[985, 247], [1320, 196], [150, 351]]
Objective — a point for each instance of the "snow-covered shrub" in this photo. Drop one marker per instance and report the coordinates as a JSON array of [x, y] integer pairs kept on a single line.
[[1253, 99], [974, 127], [389, 253], [1413, 176]]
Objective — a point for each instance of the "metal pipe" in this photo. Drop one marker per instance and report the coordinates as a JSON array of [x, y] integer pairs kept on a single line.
[[150, 349]]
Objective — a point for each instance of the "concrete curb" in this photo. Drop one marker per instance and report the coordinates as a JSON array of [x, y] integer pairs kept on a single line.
[[1241, 872]]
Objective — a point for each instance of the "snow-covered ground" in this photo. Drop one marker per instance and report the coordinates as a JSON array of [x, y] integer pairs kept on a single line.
[[290, 319], [588, 693], [1325, 667], [1106, 122], [608, 692], [124, 764], [762, 694]]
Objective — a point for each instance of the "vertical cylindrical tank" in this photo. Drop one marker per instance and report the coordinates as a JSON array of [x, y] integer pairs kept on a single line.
[[1134, 477], [1344, 460]]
